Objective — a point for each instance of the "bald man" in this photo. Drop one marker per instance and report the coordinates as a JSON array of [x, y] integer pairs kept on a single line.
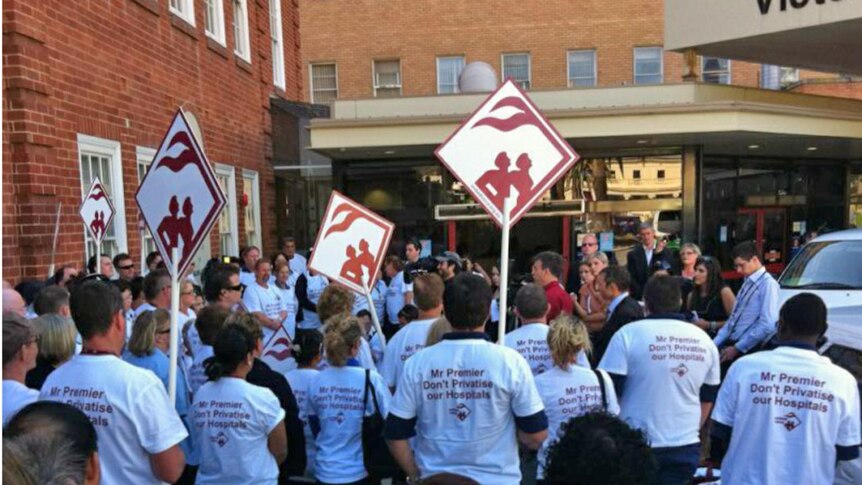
[[13, 302]]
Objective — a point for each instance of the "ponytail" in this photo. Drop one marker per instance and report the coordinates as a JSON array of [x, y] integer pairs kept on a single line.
[[568, 336], [307, 347], [232, 345]]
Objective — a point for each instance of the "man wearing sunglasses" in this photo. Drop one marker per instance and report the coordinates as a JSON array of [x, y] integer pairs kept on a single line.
[[125, 267], [589, 247]]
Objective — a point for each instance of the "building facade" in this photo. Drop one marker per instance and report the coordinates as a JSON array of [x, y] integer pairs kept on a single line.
[[90, 89]]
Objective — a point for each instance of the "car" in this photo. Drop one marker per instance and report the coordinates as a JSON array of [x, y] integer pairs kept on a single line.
[[830, 266]]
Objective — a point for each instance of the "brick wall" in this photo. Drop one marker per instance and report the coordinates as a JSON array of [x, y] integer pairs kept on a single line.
[[118, 70]]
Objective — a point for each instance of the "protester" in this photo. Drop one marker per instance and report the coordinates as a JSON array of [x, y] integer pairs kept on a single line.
[[439, 328], [412, 251], [56, 345], [547, 269], [125, 266], [20, 348], [336, 302], [140, 436], [250, 256], [13, 302], [711, 300], [207, 325], [52, 299], [666, 373], [336, 404], [264, 300], [641, 260], [239, 425], [569, 390], [448, 266], [157, 291], [470, 428], [296, 261], [125, 289], [407, 314], [600, 449], [64, 276], [613, 284], [222, 286], [187, 299], [137, 287], [752, 321], [590, 305], [765, 397], [428, 298], [284, 284], [57, 444], [309, 287], [531, 339], [106, 268], [393, 268], [153, 261], [308, 350], [262, 375]]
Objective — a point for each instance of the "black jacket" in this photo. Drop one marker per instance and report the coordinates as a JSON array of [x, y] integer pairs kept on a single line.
[[640, 271], [629, 310], [261, 375]]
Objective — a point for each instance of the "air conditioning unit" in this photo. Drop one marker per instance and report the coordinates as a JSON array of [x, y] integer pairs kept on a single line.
[[475, 212]]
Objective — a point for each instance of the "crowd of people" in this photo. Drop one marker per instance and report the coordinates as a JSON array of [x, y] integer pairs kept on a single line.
[[634, 374]]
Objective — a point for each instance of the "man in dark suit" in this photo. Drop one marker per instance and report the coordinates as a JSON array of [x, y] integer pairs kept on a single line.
[[613, 283], [641, 261]]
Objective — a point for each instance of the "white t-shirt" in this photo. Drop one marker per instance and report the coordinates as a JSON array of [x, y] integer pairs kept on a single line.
[[290, 305], [297, 264], [15, 397], [378, 296], [377, 349], [335, 398], [246, 278], [788, 408], [465, 394], [395, 297], [145, 307], [568, 394], [264, 300], [531, 341], [665, 362], [233, 420], [300, 383], [129, 408], [314, 288], [409, 340], [197, 373], [365, 357]]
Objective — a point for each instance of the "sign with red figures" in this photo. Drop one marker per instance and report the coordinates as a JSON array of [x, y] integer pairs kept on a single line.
[[180, 198], [96, 210], [507, 149], [277, 353], [351, 243]]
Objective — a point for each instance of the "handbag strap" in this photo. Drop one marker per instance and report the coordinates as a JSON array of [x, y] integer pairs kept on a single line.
[[602, 388], [373, 394]]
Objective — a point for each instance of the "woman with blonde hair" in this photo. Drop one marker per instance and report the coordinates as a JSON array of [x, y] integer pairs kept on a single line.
[[438, 329], [590, 306], [337, 404], [56, 346], [569, 390], [336, 303]]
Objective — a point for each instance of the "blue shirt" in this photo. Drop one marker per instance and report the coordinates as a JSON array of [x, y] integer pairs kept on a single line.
[[754, 315], [615, 302]]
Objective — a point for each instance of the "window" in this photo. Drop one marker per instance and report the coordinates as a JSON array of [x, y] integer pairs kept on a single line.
[[251, 199], [275, 35], [715, 70], [183, 9], [517, 67], [324, 83], [448, 71], [144, 158], [387, 79], [227, 224], [101, 158], [788, 76], [214, 20], [636, 174], [240, 30], [582, 68], [648, 65], [660, 174]]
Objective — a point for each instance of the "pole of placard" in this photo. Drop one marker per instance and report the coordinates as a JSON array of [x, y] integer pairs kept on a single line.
[[504, 271], [175, 310], [373, 312], [56, 237], [98, 256]]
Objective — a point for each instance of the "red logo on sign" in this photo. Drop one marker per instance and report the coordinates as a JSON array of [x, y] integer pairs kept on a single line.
[[96, 210]]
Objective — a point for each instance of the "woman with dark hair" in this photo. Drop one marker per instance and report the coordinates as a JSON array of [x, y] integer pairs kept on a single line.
[[308, 350], [239, 425], [711, 299]]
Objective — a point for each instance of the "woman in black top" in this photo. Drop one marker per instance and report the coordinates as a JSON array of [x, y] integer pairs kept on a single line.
[[711, 299]]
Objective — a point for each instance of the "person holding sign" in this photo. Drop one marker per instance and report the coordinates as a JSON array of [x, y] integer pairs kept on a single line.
[[239, 425], [466, 401], [797, 404]]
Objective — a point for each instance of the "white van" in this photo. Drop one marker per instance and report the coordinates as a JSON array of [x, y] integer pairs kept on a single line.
[[830, 266]]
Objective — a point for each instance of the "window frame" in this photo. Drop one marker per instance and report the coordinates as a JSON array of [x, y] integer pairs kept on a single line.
[[463, 60], [311, 78], [113, 149], [229, 171], [529, 68], [595, 68], [242, 22], [144, 157], [255, 201], [635, 65], [219, 36], [377, 86], [186, 10], [279, 77], [703, 71]]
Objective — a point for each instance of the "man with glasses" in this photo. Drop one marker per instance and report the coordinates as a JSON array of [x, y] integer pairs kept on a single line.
[[589, 247], [20, 348], [754, 316], [223, 288], [125, 267]]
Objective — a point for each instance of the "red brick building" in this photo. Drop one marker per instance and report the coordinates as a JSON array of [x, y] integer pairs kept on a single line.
[[90, 88]]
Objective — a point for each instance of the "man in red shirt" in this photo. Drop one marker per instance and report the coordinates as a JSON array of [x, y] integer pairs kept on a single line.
[[547, 269]]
